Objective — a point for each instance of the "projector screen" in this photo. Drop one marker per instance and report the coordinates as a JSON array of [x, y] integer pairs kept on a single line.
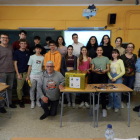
[[83, 36]]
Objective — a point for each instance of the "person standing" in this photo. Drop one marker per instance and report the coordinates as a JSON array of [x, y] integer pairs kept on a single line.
[[118, 42], [129, 60], [47, 48], [22, 35], [76, 45], [7, 68], [60, 43], [21, 58]]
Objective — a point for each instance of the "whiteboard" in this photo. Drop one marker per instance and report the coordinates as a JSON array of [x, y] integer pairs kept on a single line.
[[83, 36]]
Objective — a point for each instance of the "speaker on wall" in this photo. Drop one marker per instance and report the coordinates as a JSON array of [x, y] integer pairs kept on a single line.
[[111, 18]]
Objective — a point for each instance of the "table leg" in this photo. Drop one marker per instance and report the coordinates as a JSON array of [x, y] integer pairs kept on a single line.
[[98, 109], [90, 103], [61, 109], [129, 110], [93, 111], [8, 104], [139, 112], [120, 104]]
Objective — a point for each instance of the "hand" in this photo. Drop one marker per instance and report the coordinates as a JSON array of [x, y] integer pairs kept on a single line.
[[0, 75], [103, 71], [45, 99], [61, 87], [27, 79], [19, 77], [113, 80], [96, 70]]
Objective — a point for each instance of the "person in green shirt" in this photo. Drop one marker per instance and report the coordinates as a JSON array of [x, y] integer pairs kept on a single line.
[[100, 67]]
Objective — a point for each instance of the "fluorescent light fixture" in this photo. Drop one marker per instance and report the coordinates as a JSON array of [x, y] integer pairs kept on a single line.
[[36, 28], [85, 28]]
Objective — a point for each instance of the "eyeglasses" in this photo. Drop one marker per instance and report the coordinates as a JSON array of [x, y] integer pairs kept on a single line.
[[50, 66], [130, 47], [4, 37]]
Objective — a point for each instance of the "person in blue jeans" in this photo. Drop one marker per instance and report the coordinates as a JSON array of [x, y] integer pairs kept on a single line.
[[129, 60], [117, 70]]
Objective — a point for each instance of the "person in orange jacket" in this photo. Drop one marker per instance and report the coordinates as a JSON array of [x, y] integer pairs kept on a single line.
[[54, 56]]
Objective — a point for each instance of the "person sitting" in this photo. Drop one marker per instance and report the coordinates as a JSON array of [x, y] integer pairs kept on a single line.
[[49, 85]]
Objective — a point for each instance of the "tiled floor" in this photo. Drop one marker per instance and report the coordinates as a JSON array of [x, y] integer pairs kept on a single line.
[[76, 124]]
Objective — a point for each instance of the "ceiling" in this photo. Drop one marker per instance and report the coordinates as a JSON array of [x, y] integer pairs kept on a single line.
[[66, 2]]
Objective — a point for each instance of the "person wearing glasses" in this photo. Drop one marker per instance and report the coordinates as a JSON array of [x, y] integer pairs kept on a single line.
[[54, 56], [49, 85]]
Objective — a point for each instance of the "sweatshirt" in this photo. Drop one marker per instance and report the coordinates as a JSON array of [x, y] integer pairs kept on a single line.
[[137, 65], [49, 85], [55, 57]]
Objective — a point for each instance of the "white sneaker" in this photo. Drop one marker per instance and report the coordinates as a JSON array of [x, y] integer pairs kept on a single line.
[[122, 105], [87, 105], [96, 107], [104, 111], [32, 104], [73, 105], [38, 104], [69, 104], [108, 108], [127, 104], [116, 110], [81, 105]]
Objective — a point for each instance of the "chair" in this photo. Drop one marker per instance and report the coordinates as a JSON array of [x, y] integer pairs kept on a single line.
[[4, 96]]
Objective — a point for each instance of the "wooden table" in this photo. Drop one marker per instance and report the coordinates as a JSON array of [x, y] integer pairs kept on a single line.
[[4, 87], [88, 89], [120, 88]]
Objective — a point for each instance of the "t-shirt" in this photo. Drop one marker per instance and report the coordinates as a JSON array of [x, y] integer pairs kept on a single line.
[[62, 51], [77, 49], [47, 48], [16, 46], [22, 58], [36, 62], [121, 50], [32, 50], [70, 61], [6, 59], [100, 62]]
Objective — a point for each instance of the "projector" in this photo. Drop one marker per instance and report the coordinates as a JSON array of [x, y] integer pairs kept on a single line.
[[90, 11]]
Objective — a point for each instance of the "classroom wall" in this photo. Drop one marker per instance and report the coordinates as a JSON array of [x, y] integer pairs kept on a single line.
[[62, 17]]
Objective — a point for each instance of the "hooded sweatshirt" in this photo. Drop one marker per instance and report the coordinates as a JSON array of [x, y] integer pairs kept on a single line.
[[49, 85], [55, 57]]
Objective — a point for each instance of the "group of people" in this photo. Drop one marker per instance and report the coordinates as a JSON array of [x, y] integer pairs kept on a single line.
[[45, 68]]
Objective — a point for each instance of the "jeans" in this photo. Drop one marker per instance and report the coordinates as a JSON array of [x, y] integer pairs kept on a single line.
[[73, 95], [128, 81], [8, 78], [53, 107], [34, 79], [114, 98]]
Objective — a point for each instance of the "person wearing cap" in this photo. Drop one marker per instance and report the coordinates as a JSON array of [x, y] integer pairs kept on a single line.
[[35, 68], [49, 85], [21, 58]]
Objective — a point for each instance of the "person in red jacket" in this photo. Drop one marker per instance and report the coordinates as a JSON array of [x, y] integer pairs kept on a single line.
[[22, 35]]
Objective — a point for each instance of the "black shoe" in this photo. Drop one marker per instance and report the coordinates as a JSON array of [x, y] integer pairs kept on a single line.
[[43, 117], [2, 110], [12, 106], [21, 103], [136, 109], [137, 106]]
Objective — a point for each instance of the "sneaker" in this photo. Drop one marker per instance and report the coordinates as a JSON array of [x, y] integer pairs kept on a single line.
[[38, 104], [136, 109], [21, 103], [81, 105], [12, 106], [43, 117], [122, 105], [73, 105], [69, 104], [116, 110], [96, 107], [2, 110], [87, 105], [32, 104], [104, 111], [108, 108], [127, 104]]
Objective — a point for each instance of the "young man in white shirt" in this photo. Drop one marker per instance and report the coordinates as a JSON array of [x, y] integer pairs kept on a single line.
[[76, 45]]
